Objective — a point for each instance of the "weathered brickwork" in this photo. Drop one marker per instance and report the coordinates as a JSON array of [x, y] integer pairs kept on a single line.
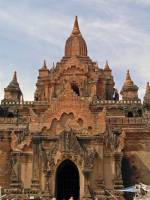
[[77, 137]]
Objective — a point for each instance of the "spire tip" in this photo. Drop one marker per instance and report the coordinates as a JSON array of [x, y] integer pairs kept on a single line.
[[76, 29], [15, 76]]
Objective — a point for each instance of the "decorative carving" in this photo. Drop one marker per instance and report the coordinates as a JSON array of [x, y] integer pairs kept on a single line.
[[110, 139], [121, 142], [16, 146], [118, 165], [49, 157], [90, 155], [70, 143], [67, 148], [72, 124], [118, 174], [66, 122], [14, 166], [114, 140], [15, 170]]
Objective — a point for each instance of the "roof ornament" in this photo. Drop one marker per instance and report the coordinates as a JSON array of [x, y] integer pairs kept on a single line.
[[128, 80], [107, 68], [14, 79], [13, 83], [128, 77], [44, 65], [76, 29], [75, 44], [147, 89], [129, 88]]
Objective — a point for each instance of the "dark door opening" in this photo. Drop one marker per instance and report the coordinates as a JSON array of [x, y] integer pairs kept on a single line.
[[67, 181], [127, 177]]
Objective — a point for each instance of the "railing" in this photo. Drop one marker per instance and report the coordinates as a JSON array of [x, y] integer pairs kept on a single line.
[[101, 102], [26, 103], [8, 120], [120, 102], [126, 120]]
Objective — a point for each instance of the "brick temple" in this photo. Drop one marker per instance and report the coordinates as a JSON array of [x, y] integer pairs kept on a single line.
[[79, 137]]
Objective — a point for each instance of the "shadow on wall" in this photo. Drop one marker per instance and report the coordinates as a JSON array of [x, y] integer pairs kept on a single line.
[[127, 174], [4, 112], [135, 169], [141, 164]]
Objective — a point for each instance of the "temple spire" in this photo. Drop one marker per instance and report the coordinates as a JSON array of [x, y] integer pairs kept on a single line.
[[146, 101], [43, 71], [128, 80], [75, 44], [128, 77], [107, 68], [147, 92], [14, 79], [44, 65], [76, 29], [13, 92], [129, 90]]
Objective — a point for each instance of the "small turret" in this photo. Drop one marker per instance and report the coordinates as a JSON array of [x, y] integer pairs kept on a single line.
[[43, 71], [44, 65], [129, 90], [147, 92], [107, 70], [109, 82], [13, 92], [146, 101]]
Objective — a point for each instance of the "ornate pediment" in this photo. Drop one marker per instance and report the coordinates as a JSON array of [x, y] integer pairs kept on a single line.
[[69, 143]]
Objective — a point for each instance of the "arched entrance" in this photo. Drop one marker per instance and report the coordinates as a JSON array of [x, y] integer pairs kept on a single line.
[[67, 181]]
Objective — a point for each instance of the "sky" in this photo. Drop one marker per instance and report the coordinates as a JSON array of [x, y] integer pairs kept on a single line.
[[34, 30]]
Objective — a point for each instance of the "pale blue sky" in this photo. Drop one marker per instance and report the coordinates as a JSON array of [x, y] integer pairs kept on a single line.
[[34, 30]]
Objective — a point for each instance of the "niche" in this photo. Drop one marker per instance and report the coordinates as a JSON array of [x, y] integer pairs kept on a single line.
[[75, 88], [80, 122], [130, 114], [10, 115]]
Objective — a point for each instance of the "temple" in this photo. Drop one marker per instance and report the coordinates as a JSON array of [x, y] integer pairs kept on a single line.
[[79, 137]]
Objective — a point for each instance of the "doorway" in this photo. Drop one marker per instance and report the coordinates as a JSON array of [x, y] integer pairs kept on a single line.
[[127, 174], [67, 181]]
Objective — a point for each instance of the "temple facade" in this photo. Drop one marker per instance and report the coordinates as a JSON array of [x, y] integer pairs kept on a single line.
[[78, 138]]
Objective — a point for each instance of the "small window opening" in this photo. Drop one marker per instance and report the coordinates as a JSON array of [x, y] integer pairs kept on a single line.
[[140, 113], [75, 88], [130, 114], [10, 115]]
